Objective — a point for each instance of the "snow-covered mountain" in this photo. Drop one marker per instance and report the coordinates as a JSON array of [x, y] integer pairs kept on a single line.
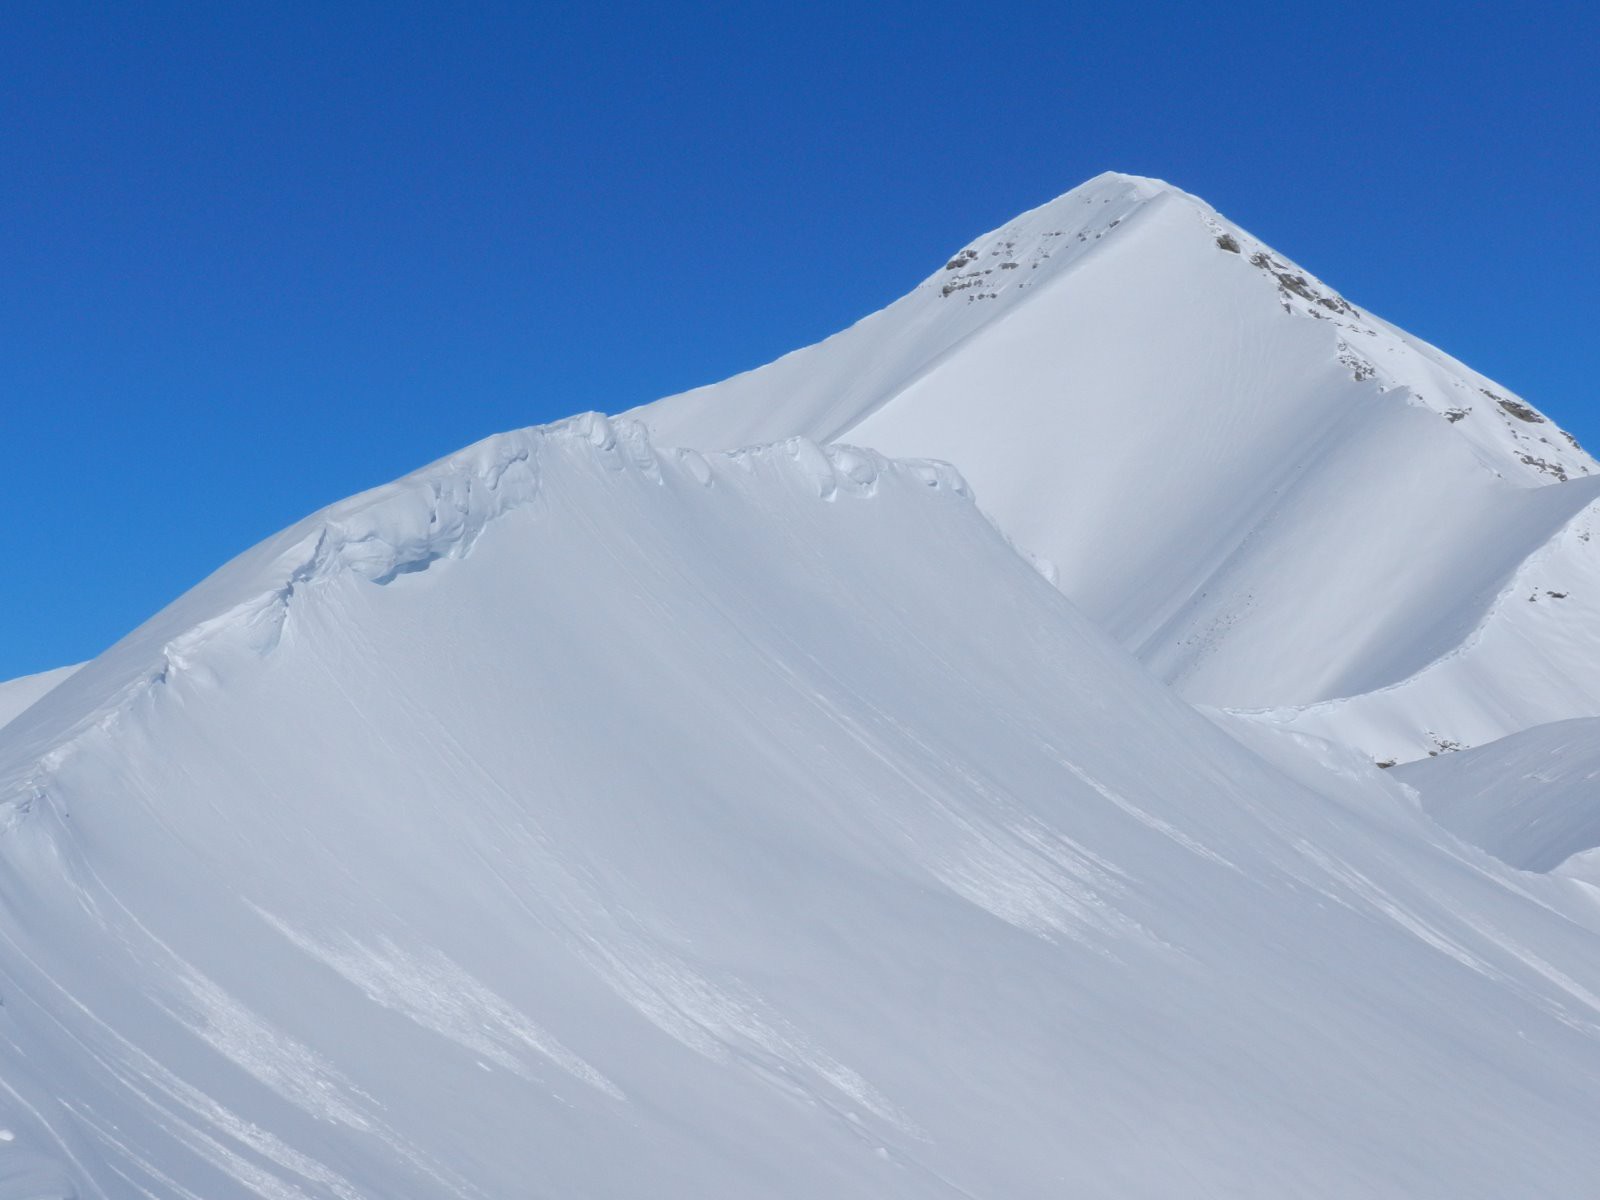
[[1272, 497], [580, 818], [725, 812]]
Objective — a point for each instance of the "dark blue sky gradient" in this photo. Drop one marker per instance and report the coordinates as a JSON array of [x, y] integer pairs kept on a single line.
[[258, 257]]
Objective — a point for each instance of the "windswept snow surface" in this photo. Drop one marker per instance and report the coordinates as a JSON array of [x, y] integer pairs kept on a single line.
[[578, 818], [1272, 497]]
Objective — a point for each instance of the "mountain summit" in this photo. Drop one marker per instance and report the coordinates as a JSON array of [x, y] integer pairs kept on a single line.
[[1272, 497]]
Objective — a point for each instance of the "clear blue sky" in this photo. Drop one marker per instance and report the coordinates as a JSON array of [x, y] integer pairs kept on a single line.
[[256, 257]]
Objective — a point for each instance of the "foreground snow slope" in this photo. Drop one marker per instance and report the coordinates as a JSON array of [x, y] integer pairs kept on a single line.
[[1270, 496], [579, 819]]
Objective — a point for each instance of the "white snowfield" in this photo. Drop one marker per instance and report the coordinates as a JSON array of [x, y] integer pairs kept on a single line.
[[578, 818], [590, 816], [1272, 497]]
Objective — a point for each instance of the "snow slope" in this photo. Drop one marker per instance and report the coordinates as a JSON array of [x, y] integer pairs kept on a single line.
[[1533, 658], [17, 695], [578, 818], [1270, 496], [1531, 799]]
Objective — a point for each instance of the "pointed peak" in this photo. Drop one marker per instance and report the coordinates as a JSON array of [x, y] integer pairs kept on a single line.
[[1110, 185], [1036, 242], [1146, 184]]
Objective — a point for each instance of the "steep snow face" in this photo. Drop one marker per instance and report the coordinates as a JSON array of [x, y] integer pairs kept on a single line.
[[580, 818], [1532, 799], [1267, 494]]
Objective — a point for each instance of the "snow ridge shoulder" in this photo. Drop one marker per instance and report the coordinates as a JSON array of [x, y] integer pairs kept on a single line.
[[433, 514]]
